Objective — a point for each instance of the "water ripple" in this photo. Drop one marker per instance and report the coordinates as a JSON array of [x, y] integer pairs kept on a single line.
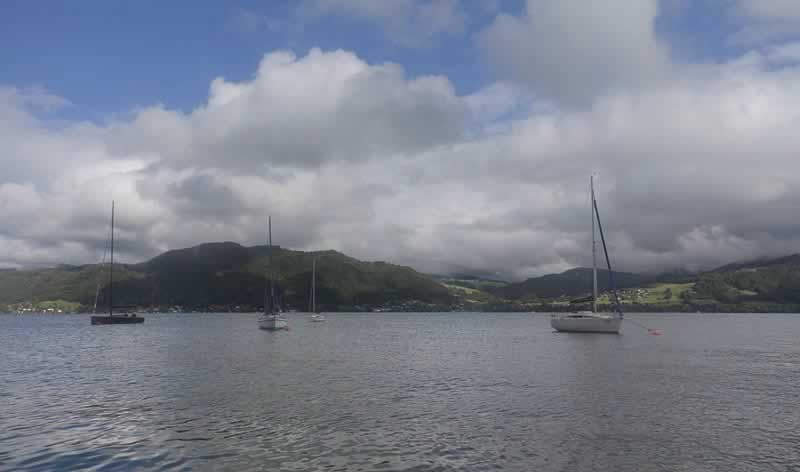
[[398, 392]]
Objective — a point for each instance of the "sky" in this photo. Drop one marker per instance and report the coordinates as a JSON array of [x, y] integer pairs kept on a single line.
[[455, 136]]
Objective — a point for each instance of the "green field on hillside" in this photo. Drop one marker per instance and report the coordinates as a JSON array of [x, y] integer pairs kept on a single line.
[[468, 294], [660, 293], [666, 292]]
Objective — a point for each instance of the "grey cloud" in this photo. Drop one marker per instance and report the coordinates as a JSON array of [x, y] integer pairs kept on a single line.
[[200, 196], [692, 173], [574, 51], [300, 112]]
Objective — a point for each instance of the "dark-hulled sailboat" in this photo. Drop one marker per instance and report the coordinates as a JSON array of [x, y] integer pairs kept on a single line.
[[111, 318]]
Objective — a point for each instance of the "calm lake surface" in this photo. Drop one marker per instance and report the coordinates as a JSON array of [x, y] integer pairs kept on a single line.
[[400, 392]]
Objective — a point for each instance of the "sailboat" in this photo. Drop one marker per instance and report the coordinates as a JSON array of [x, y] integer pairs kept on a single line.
[[315, 316], [271, 319], [125, 318], [593, 322]]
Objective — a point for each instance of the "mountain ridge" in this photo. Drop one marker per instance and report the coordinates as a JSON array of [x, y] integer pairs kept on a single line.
[[756, 285], [229, 276]]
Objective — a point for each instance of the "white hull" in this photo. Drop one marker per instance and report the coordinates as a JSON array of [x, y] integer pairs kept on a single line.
[[317, 318], [272, 322], [588, 323]]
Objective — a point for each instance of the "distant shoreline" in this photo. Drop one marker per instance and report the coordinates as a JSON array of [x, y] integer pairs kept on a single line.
[[789, 309]]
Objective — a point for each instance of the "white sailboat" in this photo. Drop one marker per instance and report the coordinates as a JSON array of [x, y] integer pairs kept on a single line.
[[271, 319], [592, 322], [315, 316]]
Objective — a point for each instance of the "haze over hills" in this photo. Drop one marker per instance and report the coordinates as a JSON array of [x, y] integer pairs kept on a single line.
[[227, 276]]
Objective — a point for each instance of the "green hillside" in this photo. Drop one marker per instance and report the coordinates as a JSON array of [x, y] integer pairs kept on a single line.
[[225, 275], [228, 276], [755, 286], [70, 283], [759, 282], [572, 283]]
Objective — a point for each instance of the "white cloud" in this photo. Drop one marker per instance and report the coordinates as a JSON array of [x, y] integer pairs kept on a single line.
[[499, 102], [694, 171], [301, 112], [784, 54], [39, 98]]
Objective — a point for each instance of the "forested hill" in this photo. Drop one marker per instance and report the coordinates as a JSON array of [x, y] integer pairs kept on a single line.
[[762, 281], [571, 283], [226, 275], [761, 285]]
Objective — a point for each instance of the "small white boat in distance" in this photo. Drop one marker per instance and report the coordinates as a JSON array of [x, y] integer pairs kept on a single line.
[[271, 319], [315, 317], [591, 321]]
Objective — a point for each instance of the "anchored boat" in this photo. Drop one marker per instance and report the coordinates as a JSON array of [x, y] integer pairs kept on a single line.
[[271, 319], [111, 318], [592, 321]]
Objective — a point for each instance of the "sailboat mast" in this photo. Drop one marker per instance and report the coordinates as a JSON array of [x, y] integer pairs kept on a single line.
[[618, 306], [594, 250], [314, 285], [271, 269], [111, 267]]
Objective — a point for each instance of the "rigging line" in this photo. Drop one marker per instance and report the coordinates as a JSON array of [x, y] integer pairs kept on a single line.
[[608, 261], [653, 331], [618, 306]]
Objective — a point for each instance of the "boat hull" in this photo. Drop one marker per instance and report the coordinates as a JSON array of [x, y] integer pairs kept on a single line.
[[317, 318], [272, 323], [586, 324], [119, 319]]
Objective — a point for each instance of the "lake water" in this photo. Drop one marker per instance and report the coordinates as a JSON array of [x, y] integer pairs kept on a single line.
[[400, 392]]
